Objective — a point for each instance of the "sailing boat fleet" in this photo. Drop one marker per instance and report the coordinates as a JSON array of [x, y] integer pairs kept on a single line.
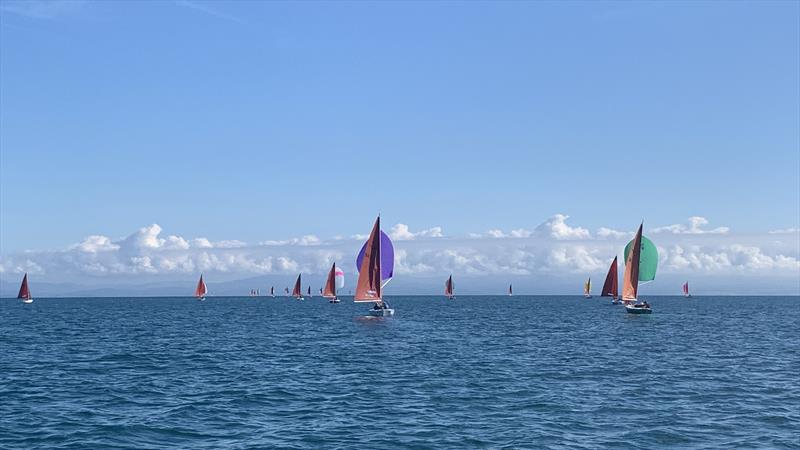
[[375, 264]]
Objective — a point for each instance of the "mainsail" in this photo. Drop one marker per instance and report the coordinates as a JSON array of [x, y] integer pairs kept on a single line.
[[296, 291], [510, 291], [24, 291], [448, 287], [201, 289], [330, 285], [370, 267], [587, 287], [610, 286], [386, 257], [630, 282], [686, 289]]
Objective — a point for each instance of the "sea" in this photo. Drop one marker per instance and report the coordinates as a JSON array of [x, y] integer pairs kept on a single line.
[[493, 372]]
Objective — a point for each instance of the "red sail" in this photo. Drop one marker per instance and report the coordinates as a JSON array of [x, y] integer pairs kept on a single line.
[[448, 287], [610, 286], [296, 290], [686, 288], [200, 290], [630, 282], [24, 292], [330, 286], [368, 288]]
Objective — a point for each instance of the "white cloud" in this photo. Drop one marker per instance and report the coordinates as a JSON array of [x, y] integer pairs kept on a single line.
[[553, 248], [608, 233], [401, 232], [95, 243], [556, 227], [695, 227]]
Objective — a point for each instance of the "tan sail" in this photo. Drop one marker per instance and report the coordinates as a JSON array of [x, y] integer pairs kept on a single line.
[[630, 282], [330, 286], [368, 288]]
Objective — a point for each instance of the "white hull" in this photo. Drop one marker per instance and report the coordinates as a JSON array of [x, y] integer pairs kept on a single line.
[[299, 298], [388, 312], [27, 300], [334, 300]]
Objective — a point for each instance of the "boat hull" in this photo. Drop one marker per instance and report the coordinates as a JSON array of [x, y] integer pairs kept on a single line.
[[27, 300], [632, 309], [335, 300], [387, 312]]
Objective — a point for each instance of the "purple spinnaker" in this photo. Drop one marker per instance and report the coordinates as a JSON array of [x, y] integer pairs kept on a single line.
[[387, 258]]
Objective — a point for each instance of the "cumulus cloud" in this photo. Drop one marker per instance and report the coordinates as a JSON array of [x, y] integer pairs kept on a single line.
[[550, 249], [401, 232], [695, 224], [556, 227], [608, 233]]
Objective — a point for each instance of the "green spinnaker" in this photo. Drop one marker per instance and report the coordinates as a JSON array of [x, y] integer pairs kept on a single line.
[[648, 259]]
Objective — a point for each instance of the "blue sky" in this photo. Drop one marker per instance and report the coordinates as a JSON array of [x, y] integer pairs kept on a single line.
[[257, 121]]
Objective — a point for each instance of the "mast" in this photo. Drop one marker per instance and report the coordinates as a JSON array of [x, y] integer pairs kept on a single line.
[[630, 282], [369, 287]]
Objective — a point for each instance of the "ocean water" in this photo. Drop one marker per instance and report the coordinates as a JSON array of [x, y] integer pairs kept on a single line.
[[477, 372]]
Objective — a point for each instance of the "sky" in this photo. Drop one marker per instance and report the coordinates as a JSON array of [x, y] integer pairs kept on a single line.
[[154, 140]]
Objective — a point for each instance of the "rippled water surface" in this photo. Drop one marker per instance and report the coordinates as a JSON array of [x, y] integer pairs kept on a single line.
[[477, 372]]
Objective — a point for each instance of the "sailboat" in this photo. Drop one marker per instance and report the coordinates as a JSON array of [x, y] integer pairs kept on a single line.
[[24, 291], [610, 286], [510, 291], [309, 292], [201, 289], [286, 291], [329, 291], [587, 288], [448, 288], [272, 291], [375, 265], [686, 290], [296, 292], [630, 282]]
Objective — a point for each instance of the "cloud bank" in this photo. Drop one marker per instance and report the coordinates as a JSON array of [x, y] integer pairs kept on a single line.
[[553, 248]]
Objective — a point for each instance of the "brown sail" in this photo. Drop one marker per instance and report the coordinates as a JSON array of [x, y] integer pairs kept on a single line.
[[610, 286], [200, 290], [630, 282], [296, 291], [368, 288], [24, 291], [448, 287], [330, 286]]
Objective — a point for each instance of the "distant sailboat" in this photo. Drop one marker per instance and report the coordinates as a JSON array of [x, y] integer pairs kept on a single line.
[[24, 291], [587, 288], [309, 292], [286, 290], [448, 288], [272, 291], [375, 268], [201, 289], [630, 282], [510, 291], [610, 286], [329, 291], [297, 291], [686, 290]]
